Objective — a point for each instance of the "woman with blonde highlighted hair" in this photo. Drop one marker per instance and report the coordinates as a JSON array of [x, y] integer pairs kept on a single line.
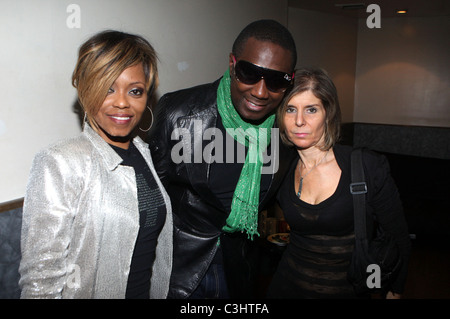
[[97, 221]]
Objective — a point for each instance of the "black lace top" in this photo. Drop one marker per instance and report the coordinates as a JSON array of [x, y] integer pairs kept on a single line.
[[315, 262]]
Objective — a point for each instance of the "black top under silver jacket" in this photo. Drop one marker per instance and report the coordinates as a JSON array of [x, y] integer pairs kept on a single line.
[[198, 215]]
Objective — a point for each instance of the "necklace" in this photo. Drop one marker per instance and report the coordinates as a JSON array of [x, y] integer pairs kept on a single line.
[[299, 193]]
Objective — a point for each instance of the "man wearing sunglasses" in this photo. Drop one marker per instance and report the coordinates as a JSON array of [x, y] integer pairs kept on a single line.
[[215, 201]]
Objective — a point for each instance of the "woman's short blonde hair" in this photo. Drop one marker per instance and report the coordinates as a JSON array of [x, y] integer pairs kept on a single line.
[[320, 84], [101, 60]]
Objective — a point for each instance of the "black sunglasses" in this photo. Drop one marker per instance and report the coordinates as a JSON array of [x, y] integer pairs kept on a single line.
[[249, 73]]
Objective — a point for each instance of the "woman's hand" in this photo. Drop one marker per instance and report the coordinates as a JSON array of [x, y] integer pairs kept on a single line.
[[391, 295]]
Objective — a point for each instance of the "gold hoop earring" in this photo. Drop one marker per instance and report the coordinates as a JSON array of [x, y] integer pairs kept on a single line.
[[151, 124]]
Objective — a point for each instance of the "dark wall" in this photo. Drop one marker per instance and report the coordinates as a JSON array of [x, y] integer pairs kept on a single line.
[[419, 158]]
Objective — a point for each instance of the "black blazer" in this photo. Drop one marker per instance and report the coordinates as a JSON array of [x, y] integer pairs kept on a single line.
[[198, 215]]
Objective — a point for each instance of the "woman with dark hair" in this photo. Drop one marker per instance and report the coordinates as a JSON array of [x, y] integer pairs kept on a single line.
[[97, 221], [316, 200]]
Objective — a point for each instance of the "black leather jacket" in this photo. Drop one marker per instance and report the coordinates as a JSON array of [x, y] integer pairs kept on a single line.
[[198, 215]]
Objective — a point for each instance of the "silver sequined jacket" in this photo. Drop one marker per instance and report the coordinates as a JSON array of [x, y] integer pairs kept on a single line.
[[81, 220]]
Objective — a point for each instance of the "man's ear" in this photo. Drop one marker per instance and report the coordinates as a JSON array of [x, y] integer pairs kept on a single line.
[[231, 61]]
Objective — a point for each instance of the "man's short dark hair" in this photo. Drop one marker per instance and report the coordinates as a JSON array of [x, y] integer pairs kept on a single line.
[[266, 30]]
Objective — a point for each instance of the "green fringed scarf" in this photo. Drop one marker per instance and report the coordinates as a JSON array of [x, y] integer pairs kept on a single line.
[[244, 206]]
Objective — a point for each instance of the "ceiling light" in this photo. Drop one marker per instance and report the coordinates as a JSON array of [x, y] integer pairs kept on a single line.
[[403, 11]]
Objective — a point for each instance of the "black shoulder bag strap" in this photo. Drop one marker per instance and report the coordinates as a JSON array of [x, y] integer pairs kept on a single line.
[[358, 188]]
